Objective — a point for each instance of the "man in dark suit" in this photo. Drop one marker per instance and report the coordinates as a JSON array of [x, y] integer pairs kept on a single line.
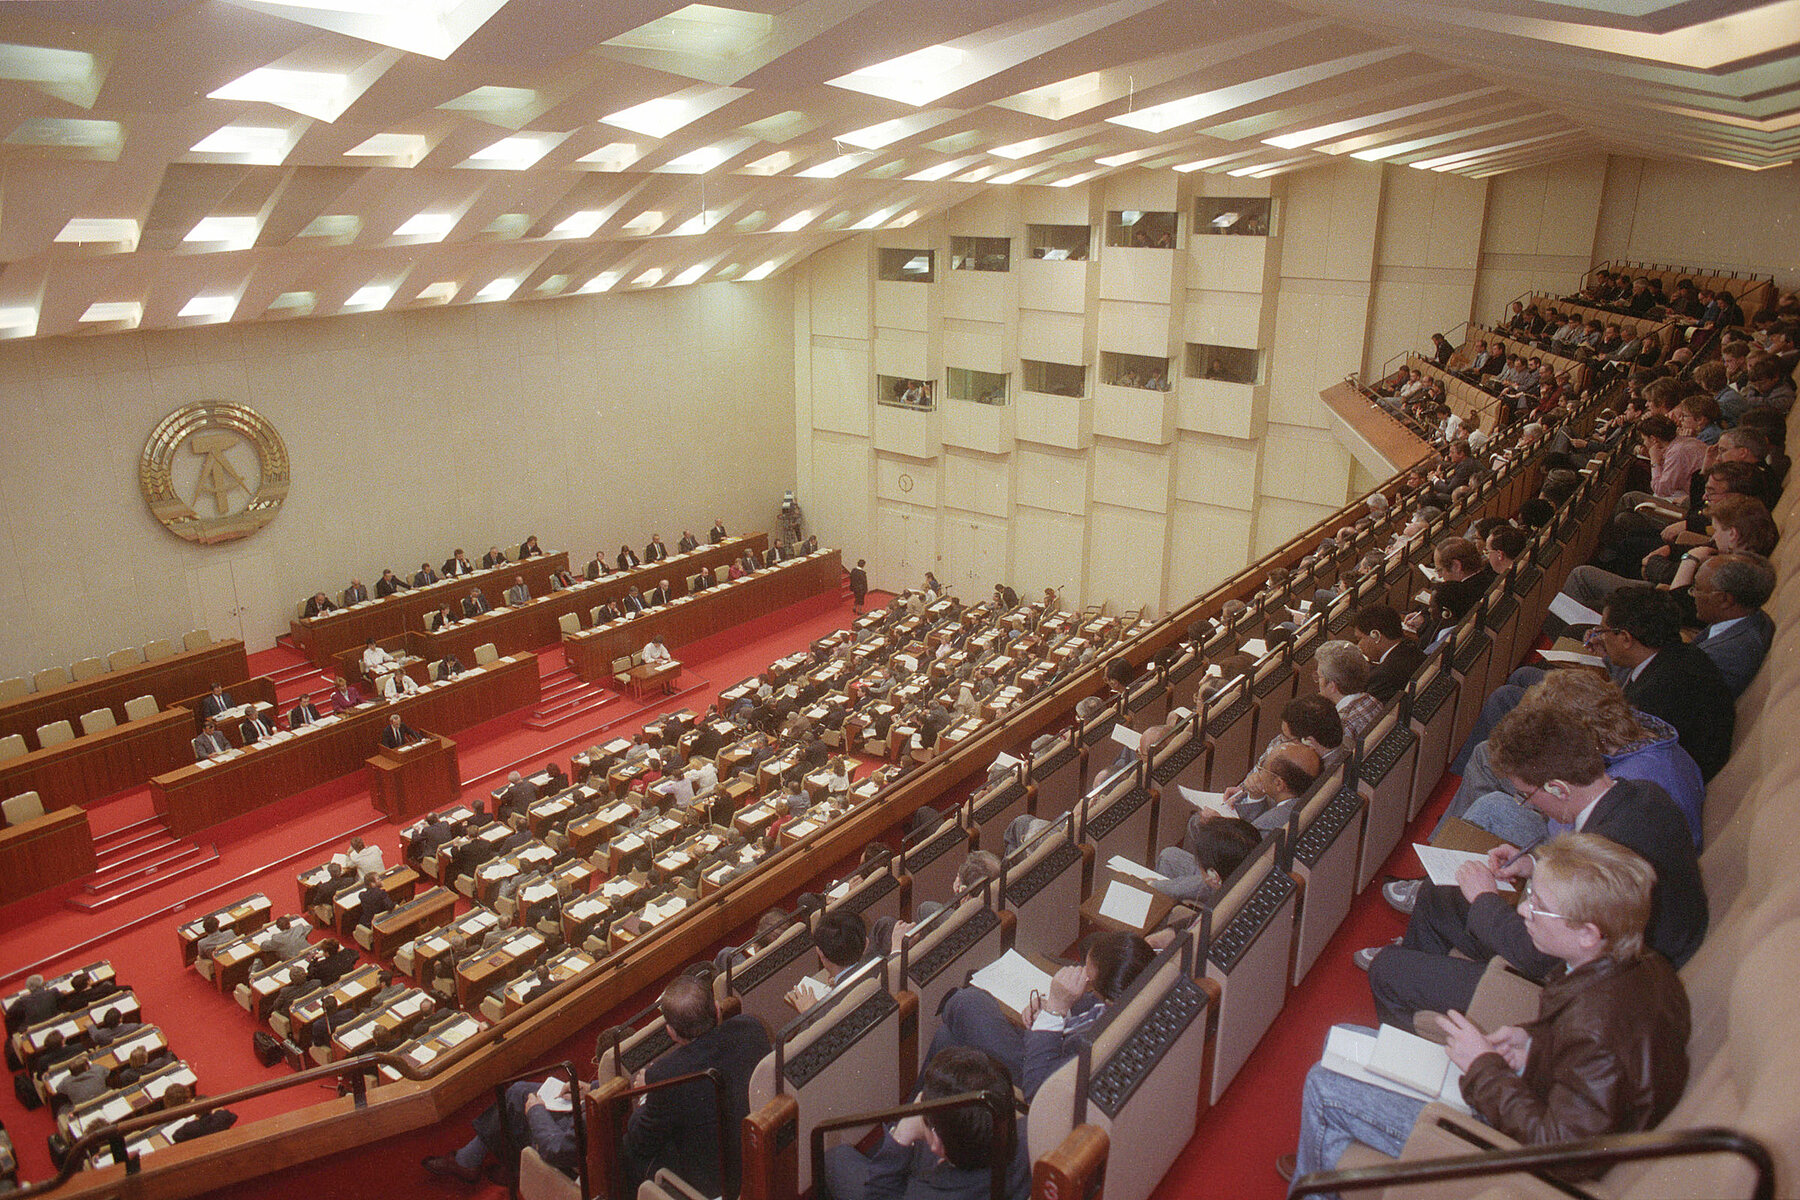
[[1393, 655], [388, 584], [678, 1127], [631, 604], [1640, 635], [303, 713], [717, 533], [398, 733], [356, 593], [424, 576], [660, 595], [1729, 591], [428, 839], [210, 741], [335, 961], [319, 605], [518, 594], [627, 559], [474, 604], [687, 543], [495, 557], [518, 796], [655, 551], [254, 729], [859, 585], [1551, 759], [457, 564], [216, 701], [502, 1130], [371, 902], [596, 566]]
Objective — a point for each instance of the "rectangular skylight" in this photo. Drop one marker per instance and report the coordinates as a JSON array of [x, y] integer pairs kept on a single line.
[[69, 133], [700, 30], [941, 171], [691, 275], [797, 222], [614, 156], [442, 291], [763, 272], [44, 64], [372, 295], [664, 115], [295, 302], [832, 168], [406, 149], [110, 231], [645, 222], [217, 308], [260, 145], [1072, 180], [700, 222], [497, 289], [18, 321], [322, 95], [649, 278], [430, 27], [131, 311], [516, 153], [770, 164], [916, 79], [491, 99], [1016, 176], [581, 224], [599, 283], [333, 225], [426, 226], [231, 233], [552, 284]]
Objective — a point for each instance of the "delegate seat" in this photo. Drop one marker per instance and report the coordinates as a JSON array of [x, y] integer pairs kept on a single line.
[[1251, 919], [1385, 768], [932, 857], [486, 654], [12, 746], [127, 656], [872, 892], [1230, 734], [54, 734], [26, 806], [937, 956], [1056, 774], [196, 639], [1120, 818], [996, 806], [1430, 709], [98, 721], [50, 677], [1325, 832], [1041, 883], [13, 687], [139, 708], [158, 648], [87, 668], [1180, 760], [569, 622], [759, 984]]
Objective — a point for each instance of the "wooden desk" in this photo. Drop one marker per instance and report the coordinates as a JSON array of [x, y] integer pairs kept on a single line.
[[536, 624], [474, 979], [168, 679], [89, 768], [425, 911], [260, 690], [1104, 878], [55, 848], [591, 653], [405, 783], [196, 797], [322, 638], [241, 916]]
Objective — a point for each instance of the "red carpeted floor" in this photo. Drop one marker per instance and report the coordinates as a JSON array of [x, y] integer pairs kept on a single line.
[[1231, 1155]]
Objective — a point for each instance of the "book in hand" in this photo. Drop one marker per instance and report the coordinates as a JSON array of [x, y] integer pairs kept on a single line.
[[1357, 1055]]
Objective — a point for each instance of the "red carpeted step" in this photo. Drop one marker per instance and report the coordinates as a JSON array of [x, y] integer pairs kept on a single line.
[[125, 833], [185, 861], [138, 850]]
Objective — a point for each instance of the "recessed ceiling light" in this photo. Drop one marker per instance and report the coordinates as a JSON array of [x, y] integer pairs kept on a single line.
[[917, 78], [581, 224], [333, 225], [119, 231], [426, 226], [431, 27], [232, 233], [700, 222], [131, 311], [372, 295], [293, 302], [217, 308], [492, 100], [552, 284], [497, 289], [770, 164], [1072, 180], [1015, 176]]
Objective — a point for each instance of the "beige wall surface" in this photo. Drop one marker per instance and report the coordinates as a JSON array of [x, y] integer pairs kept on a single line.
[[588, 421], [1701, 215]]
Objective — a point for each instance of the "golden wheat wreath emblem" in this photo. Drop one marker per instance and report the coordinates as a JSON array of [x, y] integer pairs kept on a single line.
[[227, 502]]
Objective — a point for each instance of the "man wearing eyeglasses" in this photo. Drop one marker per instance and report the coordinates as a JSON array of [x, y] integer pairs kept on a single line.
[[1549, 760], [1640, 636]]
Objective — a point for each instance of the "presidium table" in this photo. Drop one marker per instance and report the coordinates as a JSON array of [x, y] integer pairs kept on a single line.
[[231, 784], [591, 652]]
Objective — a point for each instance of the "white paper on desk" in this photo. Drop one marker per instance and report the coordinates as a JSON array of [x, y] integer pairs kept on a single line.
[[1125, 904], [1571, 656], [1441, 864], [1573, 612], [555, 1095], [1255, 647], [1121, 865], [1210, 801], [1126, 736], [1011, 979], [1347, 1052], [1005, 760]]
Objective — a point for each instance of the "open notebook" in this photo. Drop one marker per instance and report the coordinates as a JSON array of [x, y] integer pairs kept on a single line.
[[1396, 1060]]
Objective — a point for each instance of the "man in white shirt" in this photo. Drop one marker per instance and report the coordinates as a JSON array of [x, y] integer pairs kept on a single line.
[[379, 664], [364, 859], [655, 651]]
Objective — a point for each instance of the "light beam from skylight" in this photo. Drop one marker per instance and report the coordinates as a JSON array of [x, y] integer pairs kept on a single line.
[[227, 233]]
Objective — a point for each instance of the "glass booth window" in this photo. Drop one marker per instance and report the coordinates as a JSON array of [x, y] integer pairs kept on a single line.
[[908, 266], [983, 387], [1153, 230], [1134, 371], [1055, 379], [1245, 216], [1232, 364], [980, 254], [899, 392], [1059, 243]]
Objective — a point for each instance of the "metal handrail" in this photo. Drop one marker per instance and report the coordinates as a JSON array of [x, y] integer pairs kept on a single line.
[[1000, 1146], [1588, 1152]]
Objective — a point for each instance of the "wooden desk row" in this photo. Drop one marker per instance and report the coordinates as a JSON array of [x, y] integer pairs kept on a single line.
[[535, 625], [168, 679], [80, 772], [322, 637], [590, 653], [196, 796], [55, 848]]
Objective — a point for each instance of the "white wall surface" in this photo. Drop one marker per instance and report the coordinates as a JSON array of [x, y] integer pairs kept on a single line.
[[588, 421]]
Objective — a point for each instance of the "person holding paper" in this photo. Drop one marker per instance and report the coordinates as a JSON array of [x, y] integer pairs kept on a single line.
[[1549, 759], [1055, 1025], [842, 940], [539, 1115], [1606, 1054]]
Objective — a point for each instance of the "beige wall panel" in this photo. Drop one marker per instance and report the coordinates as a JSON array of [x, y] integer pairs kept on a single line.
[[1504, 278], [1547, 210], [1052, 480], [989, 213], [903, 305], [1224, 318], [1318, 339], [1458, 206], [1053, 205], [838, 504], [1207, 546], [976, 346], [1056, 286], [1229, 263], [984, 427], [1054, 420], [1307, 465], [1126, 549], [1277, 521], [1049, 550], [1135, 328], [841, 275], [907, 432], [906, 546], [1129, 477], [1328, 222], [906, 480], [976, 295], [978, 483], [1233, 410], [1215, 471], [842, 381], [1146, 191], [1649, 214], [903, 353], [1136, 273], [974, 555], [1134, 414], [1052, 336]]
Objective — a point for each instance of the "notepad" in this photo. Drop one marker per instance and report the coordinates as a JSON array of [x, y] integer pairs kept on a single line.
[[1125, 904], [1408, 1059], [1121, 865], [1572, 657], [1573, 612], [1441, 864], [1255, 647], [1210, 801], [1349, 1053], [814, 990], [1126, 736], [1011, 979]]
